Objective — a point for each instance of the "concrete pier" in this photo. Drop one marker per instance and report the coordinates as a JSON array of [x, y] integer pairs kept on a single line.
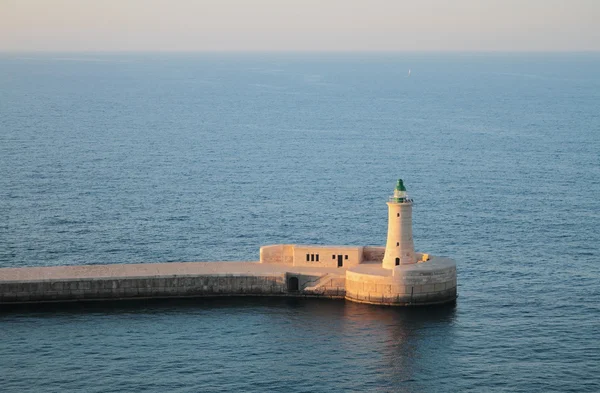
[[430, 282], [160, 280], [394, 275]]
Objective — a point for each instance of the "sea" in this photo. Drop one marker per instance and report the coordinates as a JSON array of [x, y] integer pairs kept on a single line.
[[110, 158]]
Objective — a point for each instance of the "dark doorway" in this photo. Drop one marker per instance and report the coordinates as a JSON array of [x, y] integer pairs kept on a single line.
[[340, 260], [293, 284]]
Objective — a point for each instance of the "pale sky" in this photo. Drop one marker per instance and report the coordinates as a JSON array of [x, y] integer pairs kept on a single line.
[[299, 25]]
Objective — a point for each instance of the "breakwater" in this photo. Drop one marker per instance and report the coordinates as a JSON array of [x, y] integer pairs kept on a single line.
[[428, 283], [161, 280]]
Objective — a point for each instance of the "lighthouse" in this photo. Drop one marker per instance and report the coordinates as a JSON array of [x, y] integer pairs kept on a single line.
[[399, 249]]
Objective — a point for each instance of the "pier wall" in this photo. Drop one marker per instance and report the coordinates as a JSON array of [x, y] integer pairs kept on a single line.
[[311, 256], [141, 287], [280, 254], [327, 256], [371, 253], [430, 283]]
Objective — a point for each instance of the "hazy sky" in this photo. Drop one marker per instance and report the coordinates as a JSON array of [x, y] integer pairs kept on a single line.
[[314, 25]]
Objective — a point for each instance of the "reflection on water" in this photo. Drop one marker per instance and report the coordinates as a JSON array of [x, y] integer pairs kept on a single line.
[[407, 337], [319, 337]]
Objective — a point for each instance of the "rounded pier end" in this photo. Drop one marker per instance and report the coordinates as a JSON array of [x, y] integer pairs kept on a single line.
[[428, 282]]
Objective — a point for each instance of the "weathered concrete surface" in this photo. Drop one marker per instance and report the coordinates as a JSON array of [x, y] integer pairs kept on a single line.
[[154, 280], [151, 269], [428, 282], [431, 282]]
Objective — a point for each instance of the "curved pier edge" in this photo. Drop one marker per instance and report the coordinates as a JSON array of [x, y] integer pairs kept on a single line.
[[426, 283], [405, 303]]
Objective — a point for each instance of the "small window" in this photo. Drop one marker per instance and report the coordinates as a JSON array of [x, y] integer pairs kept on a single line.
[[345, 256], [397, 261], [333, 257], [312, 257], [397, 244], [307, 257], [317, 257], [397, 214]]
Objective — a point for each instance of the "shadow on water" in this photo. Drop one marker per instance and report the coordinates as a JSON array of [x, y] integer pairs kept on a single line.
[[392, 345], [316, 307]]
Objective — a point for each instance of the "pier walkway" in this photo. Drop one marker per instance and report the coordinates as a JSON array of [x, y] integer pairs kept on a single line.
[[157, 280]]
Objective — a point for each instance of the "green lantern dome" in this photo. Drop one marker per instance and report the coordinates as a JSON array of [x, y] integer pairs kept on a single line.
[[400, 193], [400, 185]]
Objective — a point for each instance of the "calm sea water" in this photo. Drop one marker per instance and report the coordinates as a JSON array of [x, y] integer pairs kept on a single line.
[[119, 158]]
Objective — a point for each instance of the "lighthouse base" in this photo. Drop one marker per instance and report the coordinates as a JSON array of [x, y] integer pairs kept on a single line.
[[430, 282]]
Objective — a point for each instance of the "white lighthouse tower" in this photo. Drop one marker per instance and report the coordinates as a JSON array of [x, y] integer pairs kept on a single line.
[[400, 248]]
